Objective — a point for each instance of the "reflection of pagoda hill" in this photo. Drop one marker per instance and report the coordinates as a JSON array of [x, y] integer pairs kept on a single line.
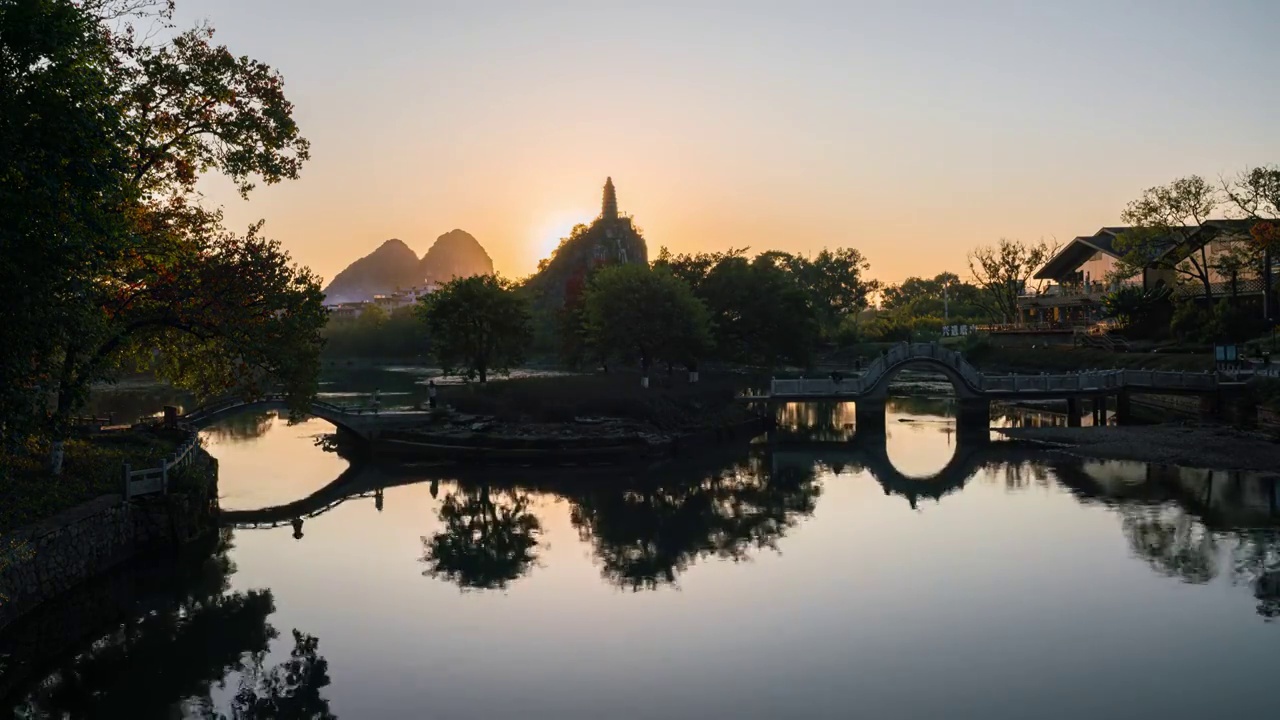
[[647, 525], [648, 534]]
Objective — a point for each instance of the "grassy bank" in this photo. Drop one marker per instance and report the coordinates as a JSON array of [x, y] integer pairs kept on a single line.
[[91, 467], [670, 404]]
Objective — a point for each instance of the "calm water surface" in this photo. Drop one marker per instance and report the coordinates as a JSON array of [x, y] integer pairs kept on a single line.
[[918, 576]]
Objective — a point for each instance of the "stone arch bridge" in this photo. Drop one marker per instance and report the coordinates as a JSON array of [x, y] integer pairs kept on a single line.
[[363, 423], [975, 390]]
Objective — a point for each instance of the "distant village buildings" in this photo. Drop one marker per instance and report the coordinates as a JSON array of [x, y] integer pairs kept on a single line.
[[389, 302]]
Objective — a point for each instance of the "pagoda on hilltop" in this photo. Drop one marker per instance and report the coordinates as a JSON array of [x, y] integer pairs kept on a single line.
[[612, 243], [610, 239], [609, 208]]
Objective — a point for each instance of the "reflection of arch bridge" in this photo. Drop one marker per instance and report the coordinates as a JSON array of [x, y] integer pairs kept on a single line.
[[363, 423], [975, 389], [869, 452], [365, 481], [355, 482]]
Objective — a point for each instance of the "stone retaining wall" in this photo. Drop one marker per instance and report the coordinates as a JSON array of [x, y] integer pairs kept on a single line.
[[33, 646], [51, 557]]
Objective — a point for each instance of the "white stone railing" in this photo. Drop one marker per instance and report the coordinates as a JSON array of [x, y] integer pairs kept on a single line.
[[148, 481]]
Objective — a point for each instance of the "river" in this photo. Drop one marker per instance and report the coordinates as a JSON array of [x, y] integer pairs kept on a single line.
[[924, 574]]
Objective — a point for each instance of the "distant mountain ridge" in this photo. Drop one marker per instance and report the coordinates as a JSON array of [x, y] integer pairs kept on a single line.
[[394, 265]]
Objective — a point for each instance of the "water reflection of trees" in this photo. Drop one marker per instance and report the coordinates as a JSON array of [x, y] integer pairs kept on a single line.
[[645, 527], [490, 538], [242, 426], [649, 534], [1192, 525], [1171, 541], [188, 636], [1180, 546], [290, 689]]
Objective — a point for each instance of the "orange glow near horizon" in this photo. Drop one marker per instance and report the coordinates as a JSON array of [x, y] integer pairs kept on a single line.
[[556, 226], [909, 133]]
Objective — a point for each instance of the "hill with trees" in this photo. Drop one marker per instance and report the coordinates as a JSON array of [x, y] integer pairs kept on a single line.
[[610, 239]]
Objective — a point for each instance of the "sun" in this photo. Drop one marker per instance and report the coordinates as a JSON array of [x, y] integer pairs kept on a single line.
[[555, 227]]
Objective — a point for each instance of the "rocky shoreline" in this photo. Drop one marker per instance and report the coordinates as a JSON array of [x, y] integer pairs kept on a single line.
[[477, 437], [1192, 445]]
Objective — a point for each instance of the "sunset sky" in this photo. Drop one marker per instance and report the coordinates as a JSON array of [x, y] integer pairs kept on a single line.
[[910, 130]]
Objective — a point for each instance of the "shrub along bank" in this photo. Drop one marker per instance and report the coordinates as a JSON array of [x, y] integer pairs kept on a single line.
[[670, 404], [92, 468]]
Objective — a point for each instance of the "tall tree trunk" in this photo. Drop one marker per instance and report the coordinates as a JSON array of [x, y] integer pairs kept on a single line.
[[59, 423], [1204, 276], [59, 426], [1268, 302]]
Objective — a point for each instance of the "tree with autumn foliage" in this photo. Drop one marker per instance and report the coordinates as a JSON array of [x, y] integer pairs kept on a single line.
[[575, 348], [1255, 195], [61, 181], [153, 279]]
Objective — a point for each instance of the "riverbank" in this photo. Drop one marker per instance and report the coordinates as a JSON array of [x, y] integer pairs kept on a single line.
[[91, 468], [1206, 446], [64, 531], [595, 418]]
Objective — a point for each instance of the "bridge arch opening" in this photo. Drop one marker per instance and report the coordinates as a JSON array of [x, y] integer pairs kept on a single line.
[[921, 377], [921, 449], [264, 461]]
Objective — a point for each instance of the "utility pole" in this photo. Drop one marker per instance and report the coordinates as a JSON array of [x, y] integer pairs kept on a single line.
[[946, 304]]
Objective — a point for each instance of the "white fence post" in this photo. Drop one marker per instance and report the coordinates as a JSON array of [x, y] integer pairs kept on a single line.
[[127, 473]]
